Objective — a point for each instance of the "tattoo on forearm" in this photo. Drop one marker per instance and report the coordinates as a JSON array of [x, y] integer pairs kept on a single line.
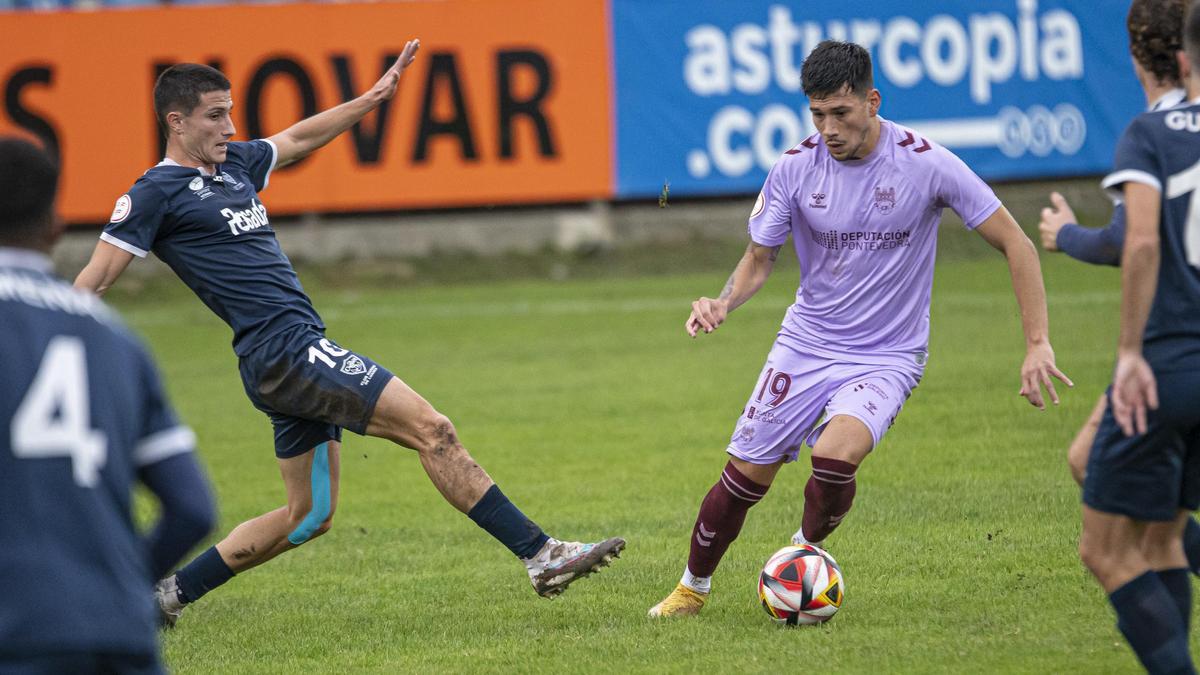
[[728, 290]]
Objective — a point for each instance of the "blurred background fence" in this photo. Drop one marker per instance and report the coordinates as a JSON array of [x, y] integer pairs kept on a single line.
[[574, 109]]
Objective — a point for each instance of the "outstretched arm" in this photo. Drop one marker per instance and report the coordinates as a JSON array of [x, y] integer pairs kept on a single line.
[[107, 263], [305, 136], [749, 276], [1134, 389], [1061, 232], [1003, 233]]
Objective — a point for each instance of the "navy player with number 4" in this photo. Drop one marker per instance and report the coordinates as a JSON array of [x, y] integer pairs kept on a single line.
[[199, 211], [82, 417], [1143, 474]]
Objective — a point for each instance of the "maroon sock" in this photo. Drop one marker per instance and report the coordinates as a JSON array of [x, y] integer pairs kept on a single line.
[[827, 497], [720, 520]]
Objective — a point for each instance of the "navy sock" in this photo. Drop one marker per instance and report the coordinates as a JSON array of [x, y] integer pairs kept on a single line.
[[202, 575], [1150, 622], [504, 521], [1179, 585], [1191, 545]]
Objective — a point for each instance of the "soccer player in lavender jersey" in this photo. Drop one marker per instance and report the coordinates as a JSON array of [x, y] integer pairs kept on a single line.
[[861, 200], [83, 417], [199, 211], [1142, 481]]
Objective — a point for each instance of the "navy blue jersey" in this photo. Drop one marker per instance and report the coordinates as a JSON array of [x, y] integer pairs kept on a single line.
[[82, 411], [214, 233], [1162, 149]]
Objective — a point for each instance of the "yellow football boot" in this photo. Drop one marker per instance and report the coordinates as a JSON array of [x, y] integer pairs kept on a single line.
[[682, 601]]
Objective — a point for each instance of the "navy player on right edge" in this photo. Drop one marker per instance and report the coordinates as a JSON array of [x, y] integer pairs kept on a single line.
[[82, 417], [1143, 475], [200, 212], [1155, 30]]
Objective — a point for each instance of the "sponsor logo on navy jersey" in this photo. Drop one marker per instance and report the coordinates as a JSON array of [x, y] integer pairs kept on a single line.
[[246, 219]]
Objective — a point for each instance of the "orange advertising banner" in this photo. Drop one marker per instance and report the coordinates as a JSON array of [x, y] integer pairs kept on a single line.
[[507, 102]]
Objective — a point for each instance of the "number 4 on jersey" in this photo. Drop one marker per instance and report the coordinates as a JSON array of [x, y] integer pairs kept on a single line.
[[54, 419]]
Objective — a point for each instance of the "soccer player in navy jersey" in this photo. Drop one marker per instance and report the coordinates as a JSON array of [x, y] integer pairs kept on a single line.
[[1155, 41], [199, 211], [861, 200], [1143, 474], [83, 417]]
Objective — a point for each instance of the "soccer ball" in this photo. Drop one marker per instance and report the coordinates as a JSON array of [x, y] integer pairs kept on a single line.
[[801, 585]]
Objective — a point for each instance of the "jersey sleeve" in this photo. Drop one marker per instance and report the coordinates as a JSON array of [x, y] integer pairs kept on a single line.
[[136, 219], [162, 436], [1135, 161], [955, 185], [771, 218], [257, 158]]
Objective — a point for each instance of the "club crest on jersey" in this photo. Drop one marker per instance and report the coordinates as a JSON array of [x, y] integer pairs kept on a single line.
[[353, 365], [246, 219], [885, 199], [818, 201], [196, 184], [232, 182]]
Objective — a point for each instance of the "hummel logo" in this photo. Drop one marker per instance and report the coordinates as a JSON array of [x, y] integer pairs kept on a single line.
[[818, 201]]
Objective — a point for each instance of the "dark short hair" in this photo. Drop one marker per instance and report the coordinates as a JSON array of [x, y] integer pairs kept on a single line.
[[30, 179], [1155, 34], [180, 88], [833, 65]]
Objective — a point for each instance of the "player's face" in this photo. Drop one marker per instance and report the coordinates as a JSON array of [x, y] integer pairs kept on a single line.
[[205, 132], [847, 122]]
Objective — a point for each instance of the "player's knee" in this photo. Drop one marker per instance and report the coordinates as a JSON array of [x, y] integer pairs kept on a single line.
[[310, 520], [1100, 560], [1091, 556], [436, 434], [1078, 464]]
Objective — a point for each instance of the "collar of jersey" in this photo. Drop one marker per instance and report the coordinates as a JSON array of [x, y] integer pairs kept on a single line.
[[25, 258], [167, 161], [1170, 99]]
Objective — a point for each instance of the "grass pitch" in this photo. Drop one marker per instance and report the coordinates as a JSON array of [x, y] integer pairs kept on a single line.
[[598, 417]]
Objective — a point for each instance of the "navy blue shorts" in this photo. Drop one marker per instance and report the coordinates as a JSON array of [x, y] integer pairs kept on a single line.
[[1153, 475], [55, 664], [311, 388]]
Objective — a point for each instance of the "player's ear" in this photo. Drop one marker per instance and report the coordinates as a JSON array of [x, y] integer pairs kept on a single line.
[[175, 122], [1185, 66], [873, 101]]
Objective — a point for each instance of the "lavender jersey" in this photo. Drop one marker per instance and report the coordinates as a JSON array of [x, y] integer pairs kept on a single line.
[[865, 232]]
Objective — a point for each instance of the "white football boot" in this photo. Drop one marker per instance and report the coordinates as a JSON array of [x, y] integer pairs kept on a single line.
[[166, 592], [559, 563]]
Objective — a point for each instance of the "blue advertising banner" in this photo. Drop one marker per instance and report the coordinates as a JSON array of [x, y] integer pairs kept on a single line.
[[708, 93]]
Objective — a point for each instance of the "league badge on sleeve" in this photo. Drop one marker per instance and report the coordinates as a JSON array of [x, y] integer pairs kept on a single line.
[[758, 205], [122, 209]]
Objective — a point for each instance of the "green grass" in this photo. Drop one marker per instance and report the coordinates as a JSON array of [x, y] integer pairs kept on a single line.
[[598, 417]]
